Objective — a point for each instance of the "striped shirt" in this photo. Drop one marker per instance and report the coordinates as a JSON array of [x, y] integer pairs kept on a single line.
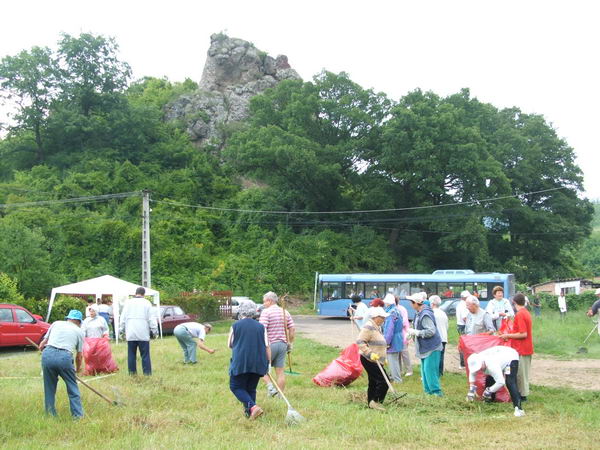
[[272, 319]]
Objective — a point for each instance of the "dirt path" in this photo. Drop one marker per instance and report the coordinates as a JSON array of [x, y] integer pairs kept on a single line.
[[545, 371]]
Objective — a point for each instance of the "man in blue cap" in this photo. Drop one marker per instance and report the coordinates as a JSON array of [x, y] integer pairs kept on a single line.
[[62, 339]]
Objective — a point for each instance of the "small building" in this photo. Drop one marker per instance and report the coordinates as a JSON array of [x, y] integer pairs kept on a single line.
[[568, 286]]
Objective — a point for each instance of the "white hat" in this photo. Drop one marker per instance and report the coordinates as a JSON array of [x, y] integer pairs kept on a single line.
[[474, 362], [464, 294], [389, 299], [598, 291], [418, 298], [377, 311]]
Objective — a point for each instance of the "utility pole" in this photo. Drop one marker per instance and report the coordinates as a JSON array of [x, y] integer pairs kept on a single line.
[[146, 269]]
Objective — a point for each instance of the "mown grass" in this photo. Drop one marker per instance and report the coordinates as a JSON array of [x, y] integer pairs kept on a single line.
[[192, 407]]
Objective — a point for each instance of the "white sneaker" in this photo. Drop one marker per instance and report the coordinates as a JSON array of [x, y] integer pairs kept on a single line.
[[408, 374], [272, 391], [519, 412]]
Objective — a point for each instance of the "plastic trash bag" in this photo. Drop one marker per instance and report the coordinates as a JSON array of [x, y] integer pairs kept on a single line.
[[469, 344], [341, 371], [98, 356]]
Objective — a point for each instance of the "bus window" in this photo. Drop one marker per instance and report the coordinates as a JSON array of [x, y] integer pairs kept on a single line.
[[448, 290], [430, 288], [373, 290], [332, 290], [470, 286], [354, 288], [400, 290], [415, 287]]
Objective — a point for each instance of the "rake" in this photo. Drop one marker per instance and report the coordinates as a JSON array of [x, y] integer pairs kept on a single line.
[[287, 337], [395, 395], [292, 417]]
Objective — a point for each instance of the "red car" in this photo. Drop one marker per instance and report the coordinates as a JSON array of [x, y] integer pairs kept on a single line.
[[172, 315], [16, 323]]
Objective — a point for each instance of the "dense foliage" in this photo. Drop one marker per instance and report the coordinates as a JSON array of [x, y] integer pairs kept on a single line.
[[462, 183]]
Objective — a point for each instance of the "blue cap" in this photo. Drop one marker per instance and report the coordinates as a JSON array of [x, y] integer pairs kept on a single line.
[[75, 314]]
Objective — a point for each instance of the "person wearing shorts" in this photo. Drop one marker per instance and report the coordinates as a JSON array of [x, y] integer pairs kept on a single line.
[[280, 340]]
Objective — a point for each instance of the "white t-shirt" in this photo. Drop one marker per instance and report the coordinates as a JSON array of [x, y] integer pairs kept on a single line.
[[196, 329], [562, 303], [496, 360], [94, 328], [441, 321], [362, 310], [461, 312]]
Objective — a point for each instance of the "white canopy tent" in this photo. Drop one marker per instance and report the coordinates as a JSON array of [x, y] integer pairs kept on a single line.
[[120, 290]]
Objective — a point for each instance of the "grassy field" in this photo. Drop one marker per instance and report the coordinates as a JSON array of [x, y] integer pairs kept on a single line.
[[192, 407]]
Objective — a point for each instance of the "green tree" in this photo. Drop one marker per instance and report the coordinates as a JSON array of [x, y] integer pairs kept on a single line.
[[29, 82], [91, 70]]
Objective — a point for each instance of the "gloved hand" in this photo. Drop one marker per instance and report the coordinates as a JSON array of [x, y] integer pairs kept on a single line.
[[472, 393], [290, 347], [487, 395], [375, 357], [411, 332]]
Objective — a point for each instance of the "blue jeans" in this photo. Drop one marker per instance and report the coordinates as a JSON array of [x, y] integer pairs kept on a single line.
[[59, 363], [187, 343], [243, 387], [144, 347]]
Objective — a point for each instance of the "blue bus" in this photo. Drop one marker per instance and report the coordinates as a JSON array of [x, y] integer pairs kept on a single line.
[[334, 290]]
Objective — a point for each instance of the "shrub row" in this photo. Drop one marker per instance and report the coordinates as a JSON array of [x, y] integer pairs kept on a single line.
[[574, 301], [204, 305]]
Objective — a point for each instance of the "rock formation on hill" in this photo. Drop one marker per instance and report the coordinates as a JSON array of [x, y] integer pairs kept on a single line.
[[234, 72]]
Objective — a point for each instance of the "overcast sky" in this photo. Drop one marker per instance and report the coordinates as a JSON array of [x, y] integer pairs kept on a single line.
[[541, 56]]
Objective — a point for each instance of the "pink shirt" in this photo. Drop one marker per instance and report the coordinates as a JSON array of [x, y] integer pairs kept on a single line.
[[272, 319], [405, 323]]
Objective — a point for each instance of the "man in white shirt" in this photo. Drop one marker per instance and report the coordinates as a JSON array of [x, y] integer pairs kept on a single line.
[[185, 334], [562, 304], [359, 312], [501, 365], [441, 322], [461, 318], [137, 322], [62, 340]]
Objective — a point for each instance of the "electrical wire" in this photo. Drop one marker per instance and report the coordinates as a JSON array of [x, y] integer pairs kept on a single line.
[[87, 199], [367, 211]]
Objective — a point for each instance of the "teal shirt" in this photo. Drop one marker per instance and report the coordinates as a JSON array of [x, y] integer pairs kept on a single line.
[[65, 335]]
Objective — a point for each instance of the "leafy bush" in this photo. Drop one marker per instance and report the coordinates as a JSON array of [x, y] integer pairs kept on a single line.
[[204, 305], [9, 292], [63, 305], [36, 306], [574, 301]]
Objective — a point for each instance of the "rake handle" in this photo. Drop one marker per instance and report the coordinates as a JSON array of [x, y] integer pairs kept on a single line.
[[112, 402], [279, 389], [387, 380]]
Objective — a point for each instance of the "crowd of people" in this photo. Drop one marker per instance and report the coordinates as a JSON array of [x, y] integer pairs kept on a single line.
[[384, 333], [259, 345]]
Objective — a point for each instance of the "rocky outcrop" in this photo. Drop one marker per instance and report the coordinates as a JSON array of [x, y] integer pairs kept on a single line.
[[234, 72]]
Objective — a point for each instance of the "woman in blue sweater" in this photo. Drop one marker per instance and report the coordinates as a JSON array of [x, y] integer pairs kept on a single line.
[[249, 359]]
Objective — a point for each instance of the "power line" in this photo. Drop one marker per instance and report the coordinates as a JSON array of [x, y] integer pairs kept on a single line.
[[367, 211], [88, 199]]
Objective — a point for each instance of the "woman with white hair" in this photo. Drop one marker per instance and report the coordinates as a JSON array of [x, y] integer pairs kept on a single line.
[[372, 346], [441, 322], [249, 358]]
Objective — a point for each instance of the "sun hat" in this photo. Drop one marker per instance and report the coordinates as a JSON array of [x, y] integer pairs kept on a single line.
[[377, 311], [389, 299], [418, 298], [75, 315], [474, 362]]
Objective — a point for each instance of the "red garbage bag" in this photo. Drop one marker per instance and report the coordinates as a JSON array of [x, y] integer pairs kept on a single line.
[[469, 344], [341, 371], [98, 356], [506, 327]]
